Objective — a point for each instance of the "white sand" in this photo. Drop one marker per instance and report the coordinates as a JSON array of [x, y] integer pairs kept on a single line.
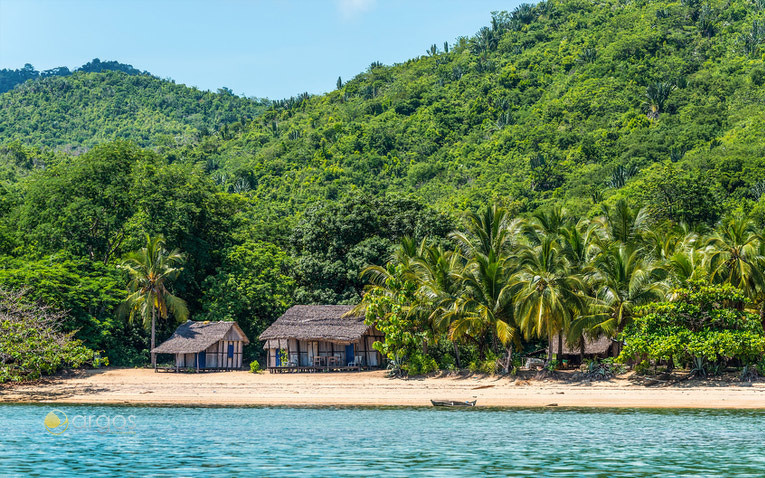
[[141, 386]]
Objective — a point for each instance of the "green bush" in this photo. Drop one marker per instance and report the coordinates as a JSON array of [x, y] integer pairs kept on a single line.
[[704, 327], [255, 367], [31, 344], [420, 365], [448, 362], [487, 366]]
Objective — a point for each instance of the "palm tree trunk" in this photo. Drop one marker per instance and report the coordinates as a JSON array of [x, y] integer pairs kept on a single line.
[[509, 358], [549, 349], [560, 346], [456, 354], [153, 332]]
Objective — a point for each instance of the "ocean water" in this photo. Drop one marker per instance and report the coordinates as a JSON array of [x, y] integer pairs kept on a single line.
[[75, 441]]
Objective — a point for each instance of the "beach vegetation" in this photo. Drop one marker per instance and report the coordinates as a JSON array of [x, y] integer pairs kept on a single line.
[[255, 367], [32, 343], [151, 270], [703, 328]]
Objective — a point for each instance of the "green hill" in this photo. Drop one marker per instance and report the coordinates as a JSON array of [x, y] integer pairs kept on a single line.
[[566, 100], [96, 104]]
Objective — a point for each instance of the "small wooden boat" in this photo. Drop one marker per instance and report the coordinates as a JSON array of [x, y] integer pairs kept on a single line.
[[452, 403]]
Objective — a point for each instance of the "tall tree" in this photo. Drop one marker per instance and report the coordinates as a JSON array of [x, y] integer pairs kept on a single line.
[[151, 269], [548, 294], [624, 281]]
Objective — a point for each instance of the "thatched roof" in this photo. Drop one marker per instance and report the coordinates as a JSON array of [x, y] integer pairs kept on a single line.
[[193, 337], [591, 347], [317, 322]]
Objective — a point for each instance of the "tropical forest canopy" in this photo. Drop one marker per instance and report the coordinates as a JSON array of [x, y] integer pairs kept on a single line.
[[571, 105]]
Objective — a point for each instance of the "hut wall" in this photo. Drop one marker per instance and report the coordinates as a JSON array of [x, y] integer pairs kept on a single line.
[[302, 352], [185, 360], [218, 355]]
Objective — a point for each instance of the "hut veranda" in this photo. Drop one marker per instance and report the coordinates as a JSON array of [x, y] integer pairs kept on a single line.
[[206, 346], [310, 337]]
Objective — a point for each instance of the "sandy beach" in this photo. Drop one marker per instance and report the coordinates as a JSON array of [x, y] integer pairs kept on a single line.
[[145, 387]]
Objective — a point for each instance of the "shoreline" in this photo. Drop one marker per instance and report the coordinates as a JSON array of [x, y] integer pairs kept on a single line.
[[144, 387]]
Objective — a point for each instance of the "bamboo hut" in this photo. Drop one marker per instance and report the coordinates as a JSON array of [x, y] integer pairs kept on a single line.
[[206, 346], [320, 337]]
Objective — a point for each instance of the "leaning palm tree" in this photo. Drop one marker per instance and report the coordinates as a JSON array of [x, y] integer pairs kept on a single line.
[[151, 269]]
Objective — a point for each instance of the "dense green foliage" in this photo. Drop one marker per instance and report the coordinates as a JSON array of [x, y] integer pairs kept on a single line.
[[510, 281], [569, 101], [10, 78], [620, 139], [32, 345], [253, 286], [703, 327], [96, 104]]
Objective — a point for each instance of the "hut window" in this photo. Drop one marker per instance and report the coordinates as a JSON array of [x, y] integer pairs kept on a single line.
[[230, 351]]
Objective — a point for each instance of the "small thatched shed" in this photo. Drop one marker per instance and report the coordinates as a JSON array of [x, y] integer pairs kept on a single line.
[[602, 347], [206, 345], [309, 336]]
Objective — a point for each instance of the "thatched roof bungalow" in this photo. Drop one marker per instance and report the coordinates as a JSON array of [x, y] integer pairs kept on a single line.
[[206, 345], [602, 347], [309, 337]]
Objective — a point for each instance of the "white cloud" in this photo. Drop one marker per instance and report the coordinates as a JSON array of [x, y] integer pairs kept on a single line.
[[350, 9]]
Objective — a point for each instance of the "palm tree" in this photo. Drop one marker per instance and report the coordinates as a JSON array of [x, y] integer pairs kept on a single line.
[[686, 265], [484, 310], [624, 281], [490, 231], [622, 223], [657, 95], [151, 269], [548, 295], [733, 255], [547, 223], [736, 255], [438, 273]]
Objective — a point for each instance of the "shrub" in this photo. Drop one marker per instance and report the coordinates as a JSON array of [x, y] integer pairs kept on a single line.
[[420, 365], [255, 367], [487, 366], [602, 370], [448, 362], [703, 327], [31, 344]]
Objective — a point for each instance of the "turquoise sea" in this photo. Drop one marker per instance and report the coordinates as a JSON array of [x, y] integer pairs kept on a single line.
[[388, 442]]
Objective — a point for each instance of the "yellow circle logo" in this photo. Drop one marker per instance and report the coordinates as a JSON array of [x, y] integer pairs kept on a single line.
[[56, 422]]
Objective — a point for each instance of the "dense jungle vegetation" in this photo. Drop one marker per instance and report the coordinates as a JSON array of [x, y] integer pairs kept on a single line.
[[652, 107]]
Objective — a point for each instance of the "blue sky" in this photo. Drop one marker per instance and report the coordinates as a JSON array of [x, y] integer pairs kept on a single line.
[[263, 48]]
